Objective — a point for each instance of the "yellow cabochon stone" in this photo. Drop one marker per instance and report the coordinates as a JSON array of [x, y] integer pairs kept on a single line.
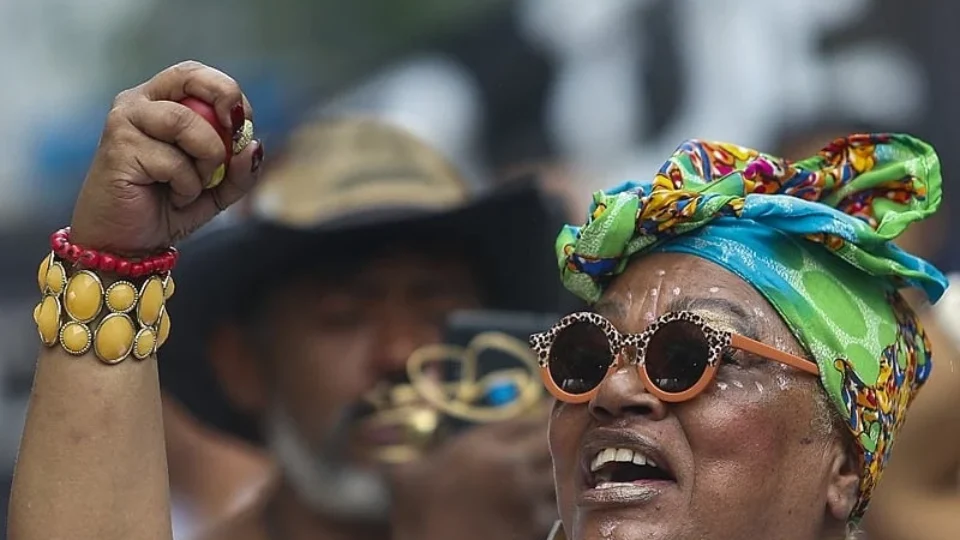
[[56, 277], [47, 316], [151, 302], [83, 298], [42, 272], [114, 338], [145, 343], [163, 332], [169, 287], [121, 297], [75, 338]]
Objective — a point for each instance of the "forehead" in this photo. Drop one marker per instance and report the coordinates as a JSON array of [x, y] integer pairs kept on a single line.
[[389, 265], [662, 282]]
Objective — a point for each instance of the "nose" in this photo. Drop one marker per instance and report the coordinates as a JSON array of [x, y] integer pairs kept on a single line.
[[622, 394]]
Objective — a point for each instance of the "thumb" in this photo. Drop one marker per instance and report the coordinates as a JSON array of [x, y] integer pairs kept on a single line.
[[242, 176]]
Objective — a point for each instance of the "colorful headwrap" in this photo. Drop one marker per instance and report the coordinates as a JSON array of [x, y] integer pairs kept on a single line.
[[813, 237]]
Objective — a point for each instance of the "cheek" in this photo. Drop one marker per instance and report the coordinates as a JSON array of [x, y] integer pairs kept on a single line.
[[746, 432], [320, 373], [567, 425]]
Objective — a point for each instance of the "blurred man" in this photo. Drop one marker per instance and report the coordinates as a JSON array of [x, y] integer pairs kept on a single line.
[[212, 475], [360, 244], [920, 493]]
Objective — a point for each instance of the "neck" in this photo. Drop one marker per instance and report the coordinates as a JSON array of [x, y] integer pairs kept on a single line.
[[321, 481], [288, 518], [210, 474]]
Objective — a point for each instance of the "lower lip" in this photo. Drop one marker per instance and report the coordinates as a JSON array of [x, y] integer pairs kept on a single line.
[[632, 494]]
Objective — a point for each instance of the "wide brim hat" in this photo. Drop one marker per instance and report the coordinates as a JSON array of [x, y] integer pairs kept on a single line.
[[345, 181]]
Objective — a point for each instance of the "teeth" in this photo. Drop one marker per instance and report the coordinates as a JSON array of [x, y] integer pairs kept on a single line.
[[619, 455], [608, 485]]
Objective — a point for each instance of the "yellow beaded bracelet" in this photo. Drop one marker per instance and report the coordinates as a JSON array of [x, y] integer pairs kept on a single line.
[[77, 312]]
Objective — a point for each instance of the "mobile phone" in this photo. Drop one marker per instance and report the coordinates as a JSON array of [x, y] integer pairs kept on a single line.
[[490, 373]]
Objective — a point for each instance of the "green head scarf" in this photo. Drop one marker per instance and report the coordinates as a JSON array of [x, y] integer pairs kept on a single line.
[[814, 238]]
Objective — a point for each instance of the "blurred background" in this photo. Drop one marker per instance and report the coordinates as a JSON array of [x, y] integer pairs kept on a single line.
[[585, 93]]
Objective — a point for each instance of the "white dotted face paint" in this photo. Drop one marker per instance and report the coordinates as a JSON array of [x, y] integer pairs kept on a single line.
[[738, 384], [607, 527], [759, 386], [782, 382], [676, 291], [628, 300], [654, 292], [722, 385], [661, 273], [714, 290]]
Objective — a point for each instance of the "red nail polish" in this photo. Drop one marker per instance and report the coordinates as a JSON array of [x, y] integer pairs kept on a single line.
[[257, 157], [236, 120]]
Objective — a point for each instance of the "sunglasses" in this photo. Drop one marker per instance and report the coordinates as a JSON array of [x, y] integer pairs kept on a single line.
[[677, 356]]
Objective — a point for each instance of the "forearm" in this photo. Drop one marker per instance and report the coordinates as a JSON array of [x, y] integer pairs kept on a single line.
[[92, 462]]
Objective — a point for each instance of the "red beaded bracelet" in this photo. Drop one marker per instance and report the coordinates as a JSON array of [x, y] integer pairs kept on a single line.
[[105, 262]]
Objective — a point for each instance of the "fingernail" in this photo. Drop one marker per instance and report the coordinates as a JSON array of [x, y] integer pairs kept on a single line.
[[218, 175], [236, 120], [257, 157]]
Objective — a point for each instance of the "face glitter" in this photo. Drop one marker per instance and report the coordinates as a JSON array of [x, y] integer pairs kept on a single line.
[[607, 527]]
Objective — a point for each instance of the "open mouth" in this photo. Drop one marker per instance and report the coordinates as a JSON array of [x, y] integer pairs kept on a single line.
[[618, 467]]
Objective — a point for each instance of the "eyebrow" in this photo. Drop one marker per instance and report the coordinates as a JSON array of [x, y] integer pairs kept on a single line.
[[745, 324], [611, 308]]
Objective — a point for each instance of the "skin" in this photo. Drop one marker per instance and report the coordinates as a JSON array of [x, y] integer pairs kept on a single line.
[[92, 463], [211, 476], [750, 455], [92, 458], [370, 321]]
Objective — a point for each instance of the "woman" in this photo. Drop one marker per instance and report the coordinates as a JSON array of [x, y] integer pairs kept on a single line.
[[776, 358], [723, 432]]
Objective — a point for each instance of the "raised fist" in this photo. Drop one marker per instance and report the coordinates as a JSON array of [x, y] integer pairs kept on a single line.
[[145, 190]]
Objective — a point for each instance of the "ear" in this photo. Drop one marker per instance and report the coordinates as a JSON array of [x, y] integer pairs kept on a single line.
[[844, 481], [237, 369]]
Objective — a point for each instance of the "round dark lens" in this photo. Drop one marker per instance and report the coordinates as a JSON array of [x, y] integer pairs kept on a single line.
[[677, 355], [579, 358]]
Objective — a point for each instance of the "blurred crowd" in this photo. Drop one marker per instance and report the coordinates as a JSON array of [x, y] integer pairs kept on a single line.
[[509, 115]]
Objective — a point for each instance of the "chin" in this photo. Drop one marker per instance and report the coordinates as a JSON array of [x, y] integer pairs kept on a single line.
[[626, 524]]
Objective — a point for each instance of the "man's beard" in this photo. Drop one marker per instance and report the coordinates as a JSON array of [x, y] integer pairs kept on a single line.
[[325, 478]]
